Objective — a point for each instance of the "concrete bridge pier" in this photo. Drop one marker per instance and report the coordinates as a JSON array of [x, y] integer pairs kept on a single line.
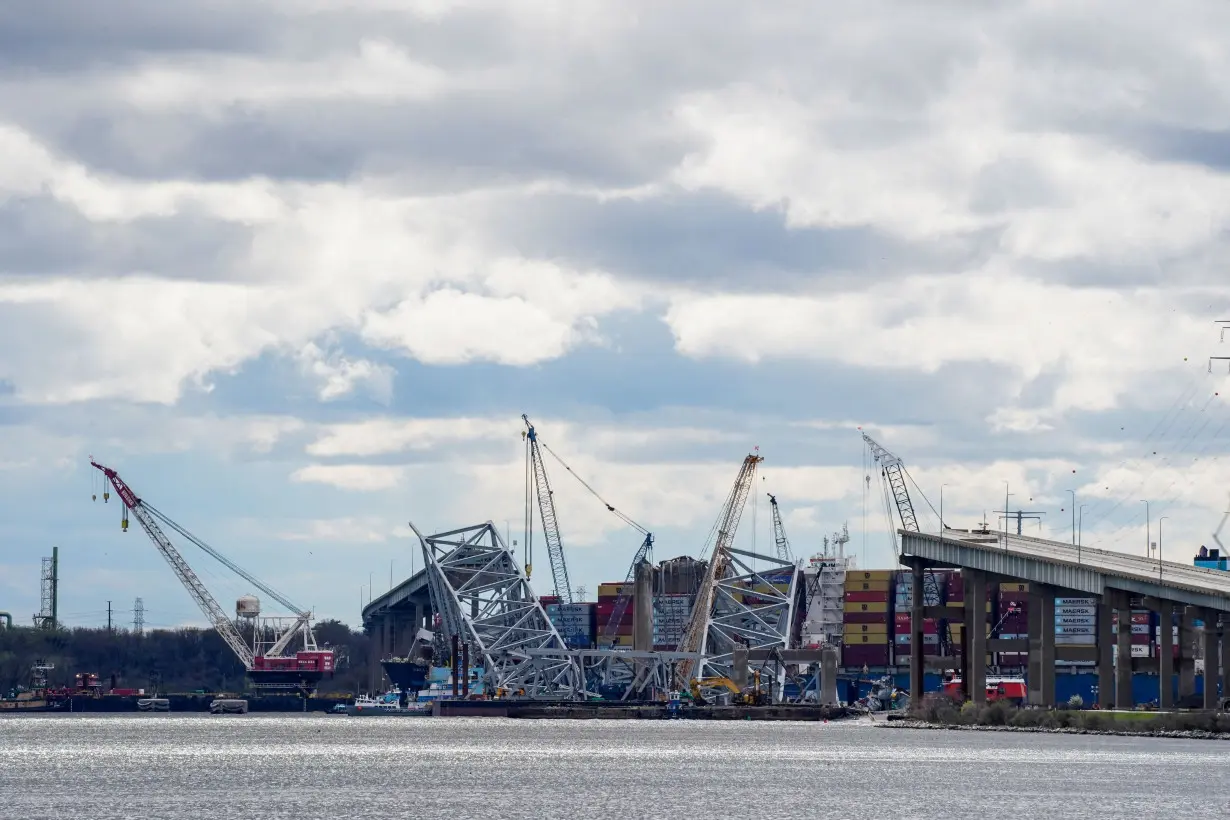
[[1106, 653], [916, 634], [1165, 661], [1123, 651], [1225, 655], [1187, 658], [975, 636], [1041, 683], [1211, 658]]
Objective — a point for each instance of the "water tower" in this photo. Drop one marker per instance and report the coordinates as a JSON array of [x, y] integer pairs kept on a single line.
[[248, 607]]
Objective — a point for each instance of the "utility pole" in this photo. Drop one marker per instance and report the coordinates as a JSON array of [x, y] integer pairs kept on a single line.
[[108, 616]]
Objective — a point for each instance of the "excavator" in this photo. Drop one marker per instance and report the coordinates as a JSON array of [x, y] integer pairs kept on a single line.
[[747, 696]]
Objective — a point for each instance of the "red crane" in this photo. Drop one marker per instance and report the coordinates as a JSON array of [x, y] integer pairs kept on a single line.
[[266, 665]]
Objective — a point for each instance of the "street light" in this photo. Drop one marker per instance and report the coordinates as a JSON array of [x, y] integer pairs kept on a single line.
[[1159, 546], [1073, 493], [1148, 528]]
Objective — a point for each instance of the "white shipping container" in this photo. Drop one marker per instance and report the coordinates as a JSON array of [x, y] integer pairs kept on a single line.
[[1141, 629], [1075, 602], [1070, 611], [1141, 650], [1075, 640]]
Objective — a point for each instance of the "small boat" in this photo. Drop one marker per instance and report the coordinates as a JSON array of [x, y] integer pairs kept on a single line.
[[387, 705]]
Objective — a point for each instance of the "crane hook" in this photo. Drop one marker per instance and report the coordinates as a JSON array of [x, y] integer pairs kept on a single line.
[[93, 496], [106, 496]]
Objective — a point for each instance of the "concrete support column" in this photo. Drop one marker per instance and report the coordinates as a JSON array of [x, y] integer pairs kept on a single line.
[[418, 619], [1124, 698], [828, 677], [1225, 655], [916, 636], [642, 608], [1187, 658], [1041, 645], [1165, 663], [1211, 658], [975, 639], [738, 663], [1106, 656]]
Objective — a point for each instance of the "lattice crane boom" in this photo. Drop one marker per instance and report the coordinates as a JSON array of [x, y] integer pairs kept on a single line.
[[208, 605], [695, 635], [779, 531], [894, 473], [550, 521]]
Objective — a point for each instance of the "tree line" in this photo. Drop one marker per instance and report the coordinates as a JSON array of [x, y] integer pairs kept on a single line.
[[165, 660]]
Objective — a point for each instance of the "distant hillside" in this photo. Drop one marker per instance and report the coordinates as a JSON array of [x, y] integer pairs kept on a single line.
[[182, 659]]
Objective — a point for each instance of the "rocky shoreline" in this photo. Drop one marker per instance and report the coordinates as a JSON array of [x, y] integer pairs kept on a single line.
[[1188, 734]]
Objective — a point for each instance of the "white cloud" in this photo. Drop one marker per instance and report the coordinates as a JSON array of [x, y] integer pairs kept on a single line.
[[1100, 340], [340, 376], [358, 477]]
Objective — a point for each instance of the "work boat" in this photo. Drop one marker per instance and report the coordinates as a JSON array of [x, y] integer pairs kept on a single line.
[[387, 704]]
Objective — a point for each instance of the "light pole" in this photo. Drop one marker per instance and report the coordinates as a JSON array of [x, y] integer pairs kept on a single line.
[[1073, 493], [1148, 528], [1159, 546], [1080, 531]]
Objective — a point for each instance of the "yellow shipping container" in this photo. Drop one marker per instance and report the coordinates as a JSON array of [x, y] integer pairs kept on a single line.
[[608, 590], [866, 586], [869, 639], [874, 606], [868, 629], [1014, 587], [870, 575]]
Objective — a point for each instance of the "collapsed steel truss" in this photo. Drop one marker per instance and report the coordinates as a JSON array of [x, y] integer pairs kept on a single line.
[[484, 598], [750, 611]]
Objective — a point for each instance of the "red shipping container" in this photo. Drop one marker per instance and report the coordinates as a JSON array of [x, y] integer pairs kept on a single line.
[[860, 597], [865, 655], [1141, 640], [1141, 617], [866, 617]]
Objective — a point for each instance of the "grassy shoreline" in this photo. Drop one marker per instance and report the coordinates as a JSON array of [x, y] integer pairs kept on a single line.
[[943, 714]]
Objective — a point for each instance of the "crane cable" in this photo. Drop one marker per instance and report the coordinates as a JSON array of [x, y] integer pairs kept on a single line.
[[594, 492]]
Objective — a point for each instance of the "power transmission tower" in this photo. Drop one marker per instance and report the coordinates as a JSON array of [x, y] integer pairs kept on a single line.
[[138, 616], [49, 592]]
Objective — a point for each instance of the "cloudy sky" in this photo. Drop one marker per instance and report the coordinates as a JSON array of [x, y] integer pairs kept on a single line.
[[297, 267]]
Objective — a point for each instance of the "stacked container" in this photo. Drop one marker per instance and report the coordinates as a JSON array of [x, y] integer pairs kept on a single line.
[[574, 622], [903, 601], [866, 619], [621, 636], [956, 598], [670, 619], [1076, 621], [1013, 620]]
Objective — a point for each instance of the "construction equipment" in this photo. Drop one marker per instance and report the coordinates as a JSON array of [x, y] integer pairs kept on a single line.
[[747, 696], [892, 470], [540, 488], [264, 660], [779, 531], [695, 637]]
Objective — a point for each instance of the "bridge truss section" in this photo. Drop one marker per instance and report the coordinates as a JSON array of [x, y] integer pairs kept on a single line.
[[484, 598], [751, 609], [637, 675]]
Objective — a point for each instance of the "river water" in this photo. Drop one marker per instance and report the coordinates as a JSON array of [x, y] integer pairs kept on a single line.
[[305, 766]]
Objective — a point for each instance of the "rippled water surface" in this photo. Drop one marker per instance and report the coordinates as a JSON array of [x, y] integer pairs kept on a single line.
[[252, 766]]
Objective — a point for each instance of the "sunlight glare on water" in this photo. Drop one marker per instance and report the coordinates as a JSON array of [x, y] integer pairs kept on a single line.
[[305, 766]]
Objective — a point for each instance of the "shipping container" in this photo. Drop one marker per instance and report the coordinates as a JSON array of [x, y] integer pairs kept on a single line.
[[857, 639], [870, 575], [615, 589], [1142, 650], [866, 597], [859, 656], [866, 586], [854, 606], [865, 617], [866, 629]]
